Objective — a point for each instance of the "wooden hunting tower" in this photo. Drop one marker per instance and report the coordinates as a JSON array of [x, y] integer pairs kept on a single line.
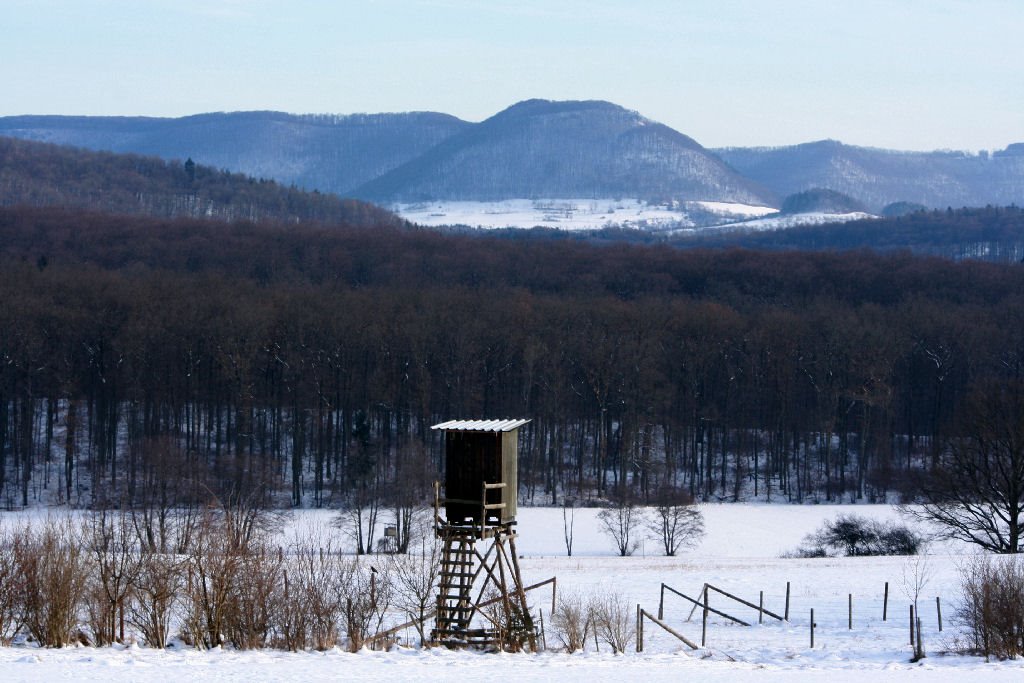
[[480, 453], [479, 504]]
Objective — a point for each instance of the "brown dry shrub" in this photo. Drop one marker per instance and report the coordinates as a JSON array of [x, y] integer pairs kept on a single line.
[[12, 588], [992, 607], [614, 621], [54, 570], [155, 590], [572, 621]]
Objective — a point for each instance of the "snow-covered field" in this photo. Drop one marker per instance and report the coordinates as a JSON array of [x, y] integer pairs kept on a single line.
[[789, 221], [593, 214], [569, 214], [740, 554]]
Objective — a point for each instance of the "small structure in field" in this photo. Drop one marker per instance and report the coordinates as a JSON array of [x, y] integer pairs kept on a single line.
[[481, 601]]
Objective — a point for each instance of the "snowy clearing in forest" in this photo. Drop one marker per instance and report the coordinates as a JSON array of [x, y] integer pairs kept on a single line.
[[571, 214]]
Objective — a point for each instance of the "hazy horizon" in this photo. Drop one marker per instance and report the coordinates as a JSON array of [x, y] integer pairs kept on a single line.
[[909, 75]]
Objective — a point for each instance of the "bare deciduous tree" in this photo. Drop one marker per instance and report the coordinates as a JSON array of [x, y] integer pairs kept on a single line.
[[917, 572], [976, 491], [568, 524], [676, 523], [621, 522]]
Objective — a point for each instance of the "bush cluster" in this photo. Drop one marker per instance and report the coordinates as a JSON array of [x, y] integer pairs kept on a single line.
[[604, 617], [214, 579], [854, 536]]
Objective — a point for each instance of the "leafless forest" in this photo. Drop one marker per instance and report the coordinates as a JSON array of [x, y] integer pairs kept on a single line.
[[169, 360]]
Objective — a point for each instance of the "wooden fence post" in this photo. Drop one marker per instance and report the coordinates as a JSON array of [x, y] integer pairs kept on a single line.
[[704, 621], [920, 643], [760, 609], [885, 601], [639, 630], [812, 628], [938, 610], [661, 603], [849, 618], [787, 601], [911, 624]]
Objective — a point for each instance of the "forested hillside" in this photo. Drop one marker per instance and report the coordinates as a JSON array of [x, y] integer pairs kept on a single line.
[[40, 174], [157, 360], [990, 233], [539, 149]]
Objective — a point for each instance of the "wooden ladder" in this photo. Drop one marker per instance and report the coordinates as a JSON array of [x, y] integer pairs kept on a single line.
[[454, 600]]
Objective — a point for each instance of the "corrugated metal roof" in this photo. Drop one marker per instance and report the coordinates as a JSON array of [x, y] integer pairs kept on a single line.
[[480, 425]]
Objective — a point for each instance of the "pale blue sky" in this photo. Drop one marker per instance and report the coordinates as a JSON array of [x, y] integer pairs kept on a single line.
[[910, 74]]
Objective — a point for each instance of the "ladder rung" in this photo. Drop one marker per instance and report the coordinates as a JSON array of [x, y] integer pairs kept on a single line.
[[494, 486], [495, 506]]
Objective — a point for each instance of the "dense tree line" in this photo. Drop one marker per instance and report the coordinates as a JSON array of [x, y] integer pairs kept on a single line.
[[991, 233], [154, 361], [40, 174]]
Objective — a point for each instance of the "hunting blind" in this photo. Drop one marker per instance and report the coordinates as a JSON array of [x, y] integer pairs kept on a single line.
[[479, 454], [480, 601]]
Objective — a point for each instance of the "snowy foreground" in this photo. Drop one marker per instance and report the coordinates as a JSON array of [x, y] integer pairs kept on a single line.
[[740, 554]]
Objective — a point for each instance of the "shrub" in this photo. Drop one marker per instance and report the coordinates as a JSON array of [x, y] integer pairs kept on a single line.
[[255, 593], [213, 561], [614, 621], [367, 594], [12, 598], [154, 594], [992, 607], [110, 541], [54, 570], [856, 536], [572, 621]]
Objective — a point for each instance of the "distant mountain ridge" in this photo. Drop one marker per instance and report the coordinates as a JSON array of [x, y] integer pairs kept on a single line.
[[878, 177], [536, 149], [314, 152]]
